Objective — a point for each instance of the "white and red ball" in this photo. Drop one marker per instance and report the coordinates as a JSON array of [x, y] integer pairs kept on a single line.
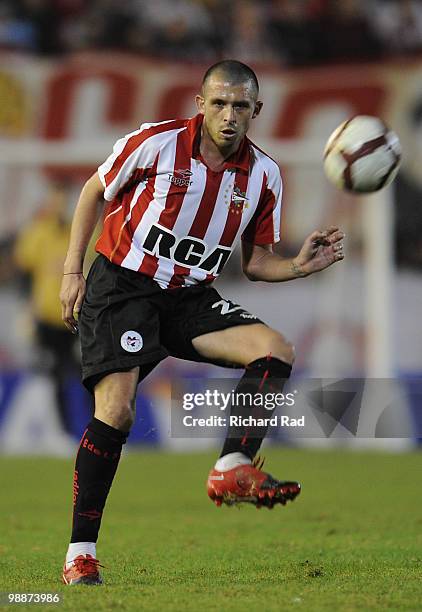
[[362, 155]]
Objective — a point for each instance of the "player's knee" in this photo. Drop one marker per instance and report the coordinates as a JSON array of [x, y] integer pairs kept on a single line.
[[115, 399], [118, 413], [276, 345]]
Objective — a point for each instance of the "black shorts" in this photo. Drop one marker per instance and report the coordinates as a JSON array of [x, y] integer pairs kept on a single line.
[[127, 320]]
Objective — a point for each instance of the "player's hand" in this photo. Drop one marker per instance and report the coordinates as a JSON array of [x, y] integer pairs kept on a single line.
[[320, 250], [72, 293]]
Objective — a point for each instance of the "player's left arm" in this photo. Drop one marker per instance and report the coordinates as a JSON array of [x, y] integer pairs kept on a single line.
[[320, 250]]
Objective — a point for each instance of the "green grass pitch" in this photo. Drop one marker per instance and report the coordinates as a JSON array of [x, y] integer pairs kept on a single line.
[[351, 541]]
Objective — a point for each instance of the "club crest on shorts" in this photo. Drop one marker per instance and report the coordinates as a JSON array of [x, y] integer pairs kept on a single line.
[[131, 341]]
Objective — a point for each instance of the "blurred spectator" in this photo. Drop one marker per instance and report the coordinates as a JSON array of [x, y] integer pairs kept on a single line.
[[408, 223], [183, 28], [291, 32], [399, 25], [7, 264], [40, 252], [16, 31], [101, 24], [247, 41], [42, 18], [344, 33]]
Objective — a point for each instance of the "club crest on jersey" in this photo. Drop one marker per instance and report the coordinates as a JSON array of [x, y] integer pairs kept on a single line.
[[181, 178], [238, 201]]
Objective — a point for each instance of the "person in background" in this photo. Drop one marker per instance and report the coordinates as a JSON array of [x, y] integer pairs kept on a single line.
[[398, 26], [344, 32], [39, 252]]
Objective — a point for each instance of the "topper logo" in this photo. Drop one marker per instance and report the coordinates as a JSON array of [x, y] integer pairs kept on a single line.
[[184, 173], [188, 251], [181, 178]]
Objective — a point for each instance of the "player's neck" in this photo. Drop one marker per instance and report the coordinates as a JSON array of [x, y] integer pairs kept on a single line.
[[214, 156]]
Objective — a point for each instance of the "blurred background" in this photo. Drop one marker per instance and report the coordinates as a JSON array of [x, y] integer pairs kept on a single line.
[[75, 75]]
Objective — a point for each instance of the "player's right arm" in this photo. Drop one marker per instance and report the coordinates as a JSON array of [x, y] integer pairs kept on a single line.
[[135, 152], [84, 221]]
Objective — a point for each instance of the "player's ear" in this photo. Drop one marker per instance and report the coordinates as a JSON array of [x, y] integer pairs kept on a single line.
[[200, 103], [258, 106]]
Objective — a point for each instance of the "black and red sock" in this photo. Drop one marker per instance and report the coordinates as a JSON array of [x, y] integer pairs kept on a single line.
[[262, 376], [96, 464]]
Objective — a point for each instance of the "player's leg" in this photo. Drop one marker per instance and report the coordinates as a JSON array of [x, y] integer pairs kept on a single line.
[[96, 464], [205, 327], [120, 345], [242, 344], [267, 357]]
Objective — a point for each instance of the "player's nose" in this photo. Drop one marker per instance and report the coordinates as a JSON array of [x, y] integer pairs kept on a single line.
[[229, 115]]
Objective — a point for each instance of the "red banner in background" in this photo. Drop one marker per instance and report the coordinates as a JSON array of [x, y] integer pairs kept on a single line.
[[118, 92], [92, 96], [130, 92]]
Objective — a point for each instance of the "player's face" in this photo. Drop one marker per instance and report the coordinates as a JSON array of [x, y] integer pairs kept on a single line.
[[228, 110]]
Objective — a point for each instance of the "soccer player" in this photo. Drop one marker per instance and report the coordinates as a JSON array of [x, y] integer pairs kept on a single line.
[[179, 195]]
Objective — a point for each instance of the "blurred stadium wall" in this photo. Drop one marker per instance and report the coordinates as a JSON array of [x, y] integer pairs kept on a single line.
[[59, 120]]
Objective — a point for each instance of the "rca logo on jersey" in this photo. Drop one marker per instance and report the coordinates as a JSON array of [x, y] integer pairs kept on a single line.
[[181, 178], [131, 341], [187, 251]]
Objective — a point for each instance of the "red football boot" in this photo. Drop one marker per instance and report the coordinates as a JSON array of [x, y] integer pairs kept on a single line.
[[84, 570], [247, 483]]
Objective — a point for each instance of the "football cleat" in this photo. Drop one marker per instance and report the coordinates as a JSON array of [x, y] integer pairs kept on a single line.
[[84, 570], [247, 483]]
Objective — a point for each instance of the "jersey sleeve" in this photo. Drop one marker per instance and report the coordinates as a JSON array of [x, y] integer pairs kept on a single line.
[[132, 153], [264, 227]]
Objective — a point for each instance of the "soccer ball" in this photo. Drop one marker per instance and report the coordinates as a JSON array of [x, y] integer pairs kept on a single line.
[[362, 155]]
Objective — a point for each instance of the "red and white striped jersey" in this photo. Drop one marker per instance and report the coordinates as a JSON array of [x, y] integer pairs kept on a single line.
[[172, 218]]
